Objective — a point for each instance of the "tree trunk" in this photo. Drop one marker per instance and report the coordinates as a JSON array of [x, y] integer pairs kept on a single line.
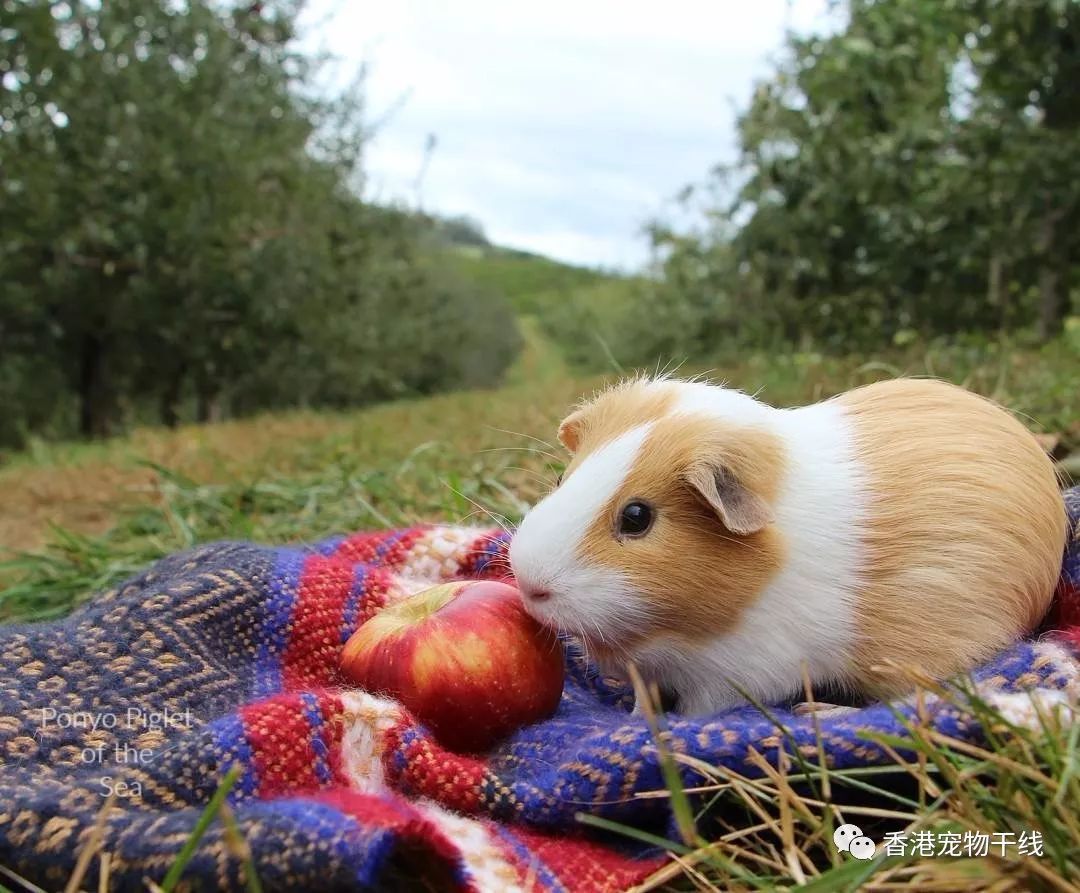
[[94, 409], [997, 297], [170, 399], [208, 406], [1051, 302], [1050, 315]]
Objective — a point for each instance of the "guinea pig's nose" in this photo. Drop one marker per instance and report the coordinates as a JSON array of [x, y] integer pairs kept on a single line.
[[535, 595]]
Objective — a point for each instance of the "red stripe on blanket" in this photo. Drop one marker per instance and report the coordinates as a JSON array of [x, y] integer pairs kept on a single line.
[[486, 557], [278, 736], [573, 862], [388, 548], [359, 545], [414, 763], [377, 583], [1063, 621], [1065, 612], [313, 649], [330, 733], [403, 819], [292, 751]]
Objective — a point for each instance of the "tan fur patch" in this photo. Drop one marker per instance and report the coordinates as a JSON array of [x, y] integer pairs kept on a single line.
[[699, 576], [966, 529], [613, 412]]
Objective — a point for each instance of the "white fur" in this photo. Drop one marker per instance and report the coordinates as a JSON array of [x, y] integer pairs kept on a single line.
[[804, 616], [544, 551], [807, 612]]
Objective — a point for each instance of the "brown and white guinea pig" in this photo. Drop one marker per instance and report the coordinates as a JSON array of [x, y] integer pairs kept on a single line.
[[722, 544]]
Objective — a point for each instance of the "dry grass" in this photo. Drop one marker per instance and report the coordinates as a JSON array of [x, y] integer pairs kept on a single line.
[[85, 489], [774, 830]]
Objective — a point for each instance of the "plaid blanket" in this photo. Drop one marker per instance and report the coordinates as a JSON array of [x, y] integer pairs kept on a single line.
[[227, 655]]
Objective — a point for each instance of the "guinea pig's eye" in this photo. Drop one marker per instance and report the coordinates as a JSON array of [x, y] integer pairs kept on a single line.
[[635, 519]]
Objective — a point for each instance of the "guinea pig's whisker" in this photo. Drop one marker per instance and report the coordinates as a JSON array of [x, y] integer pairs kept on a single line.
[[465, 519], [486, 550], [583, 640], [500, 520], [552, 456], [540, 440], [548, 480]]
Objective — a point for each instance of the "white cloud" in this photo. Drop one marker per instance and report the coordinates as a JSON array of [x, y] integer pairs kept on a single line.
[[562, 126]]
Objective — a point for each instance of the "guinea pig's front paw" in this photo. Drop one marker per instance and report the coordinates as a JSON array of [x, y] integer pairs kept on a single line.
[[820, 708], [668, 703]]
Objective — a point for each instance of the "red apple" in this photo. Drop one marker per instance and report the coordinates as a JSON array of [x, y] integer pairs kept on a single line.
[[464, 658]]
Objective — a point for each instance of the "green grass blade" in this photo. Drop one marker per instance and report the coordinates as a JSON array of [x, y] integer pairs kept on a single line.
[[172, 877]]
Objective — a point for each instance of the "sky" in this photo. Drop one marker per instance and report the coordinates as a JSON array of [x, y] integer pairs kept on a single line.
[[563, 127]]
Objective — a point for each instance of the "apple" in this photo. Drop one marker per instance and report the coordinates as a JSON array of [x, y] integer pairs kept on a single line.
[[464, 658]]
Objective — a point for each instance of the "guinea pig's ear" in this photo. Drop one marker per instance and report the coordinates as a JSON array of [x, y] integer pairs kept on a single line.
[[570, 430], [739, 509]]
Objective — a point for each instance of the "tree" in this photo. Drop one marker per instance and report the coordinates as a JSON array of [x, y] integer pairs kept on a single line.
[[181, 213], [917, 170], [1026, 58]]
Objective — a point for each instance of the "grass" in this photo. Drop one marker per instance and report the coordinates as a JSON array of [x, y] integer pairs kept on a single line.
[[775, 830], [530, 282], [77, 518]]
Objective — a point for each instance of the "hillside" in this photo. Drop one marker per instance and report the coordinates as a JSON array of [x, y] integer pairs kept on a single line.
[[527, 280], [568, 305], [530, 282]]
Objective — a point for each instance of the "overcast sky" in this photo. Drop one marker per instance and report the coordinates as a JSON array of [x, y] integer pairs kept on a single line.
[[561, 126]]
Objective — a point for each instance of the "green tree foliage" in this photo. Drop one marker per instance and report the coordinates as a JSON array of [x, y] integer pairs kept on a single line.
[[181, 233], [914, 173]]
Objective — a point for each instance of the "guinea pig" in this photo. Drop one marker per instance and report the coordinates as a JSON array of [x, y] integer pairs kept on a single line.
[[721, 544]]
